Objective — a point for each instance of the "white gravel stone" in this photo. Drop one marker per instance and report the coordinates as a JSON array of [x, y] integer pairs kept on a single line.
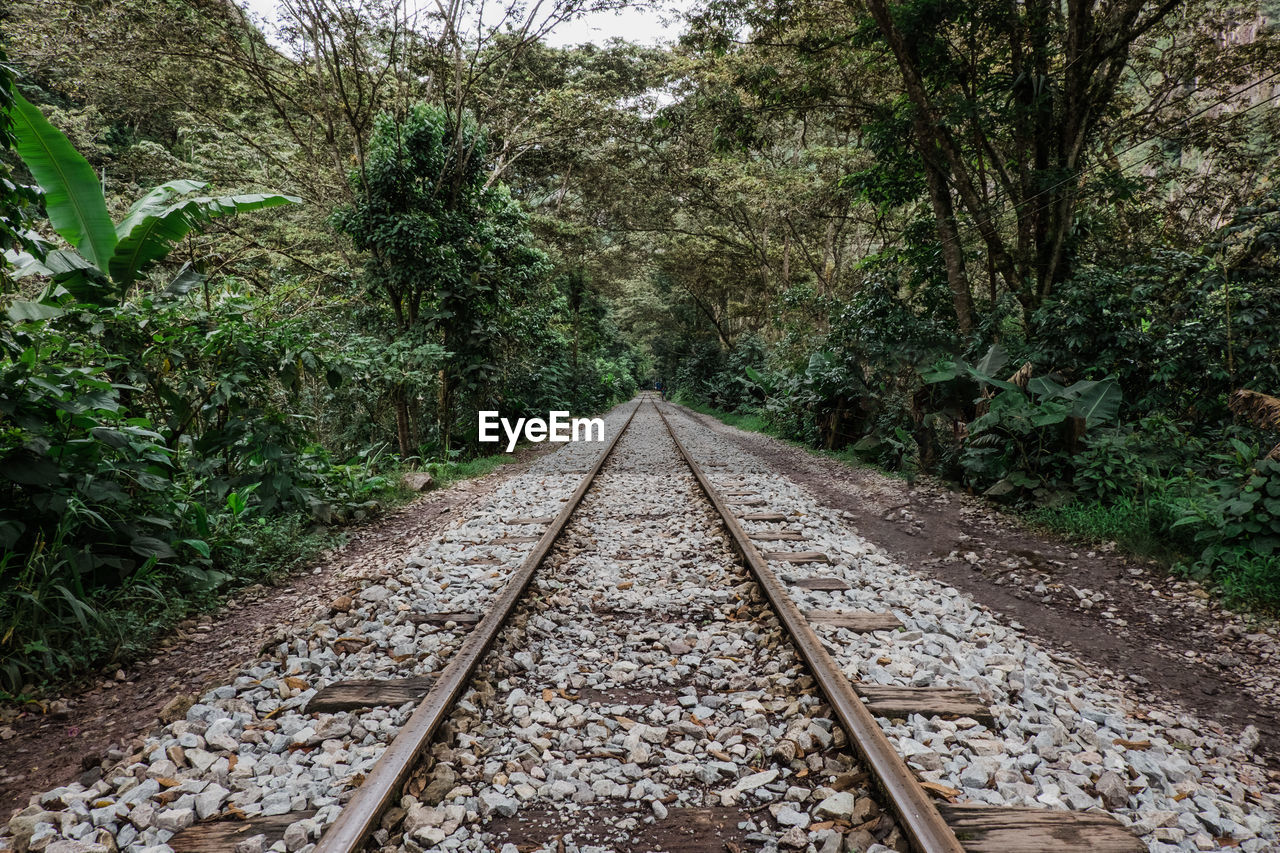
[[1067, 729]]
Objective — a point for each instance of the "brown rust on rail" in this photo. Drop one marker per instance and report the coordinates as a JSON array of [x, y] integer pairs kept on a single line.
[[917, 813], [360, 817]]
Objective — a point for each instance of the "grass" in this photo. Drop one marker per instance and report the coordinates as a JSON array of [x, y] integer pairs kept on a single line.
[[751, 423], [1134, 525], [448, 473], [756, 423]]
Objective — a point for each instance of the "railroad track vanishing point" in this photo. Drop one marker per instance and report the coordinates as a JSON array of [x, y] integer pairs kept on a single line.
[[644, 680]]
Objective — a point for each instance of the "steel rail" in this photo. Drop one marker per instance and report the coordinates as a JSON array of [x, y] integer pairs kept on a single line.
[[924, 826], [359, 817]]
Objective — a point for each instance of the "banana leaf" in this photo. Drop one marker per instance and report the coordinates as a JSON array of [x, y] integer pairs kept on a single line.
[[153, 225], [72, 194]]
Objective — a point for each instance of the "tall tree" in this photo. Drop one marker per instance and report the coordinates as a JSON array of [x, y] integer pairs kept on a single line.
[[448, 252], [1018, 91]]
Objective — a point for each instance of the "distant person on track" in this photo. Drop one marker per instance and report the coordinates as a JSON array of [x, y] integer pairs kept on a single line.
[[662, 391]]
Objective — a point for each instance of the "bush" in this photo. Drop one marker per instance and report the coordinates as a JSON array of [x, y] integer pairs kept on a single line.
[[1245, 518], [149, 454]]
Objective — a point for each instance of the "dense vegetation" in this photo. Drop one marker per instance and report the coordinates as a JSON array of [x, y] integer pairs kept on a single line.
[[1029, 249], [192, 391]]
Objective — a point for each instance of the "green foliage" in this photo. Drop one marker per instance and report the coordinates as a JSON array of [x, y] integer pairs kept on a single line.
[[72, 195], [159, 470], [155, 223], [1245, 518], [476, 313], [16, 200], [111, 257], [160, 444], [1178, 333], [1023, 440]]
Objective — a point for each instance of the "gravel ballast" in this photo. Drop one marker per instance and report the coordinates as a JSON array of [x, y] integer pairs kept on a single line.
[[1063, 737], [642, 687], [642, 692], [247, 748]]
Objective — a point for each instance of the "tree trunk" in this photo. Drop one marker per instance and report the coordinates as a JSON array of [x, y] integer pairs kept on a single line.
[[403, 433], [944, 215], [444, 416]]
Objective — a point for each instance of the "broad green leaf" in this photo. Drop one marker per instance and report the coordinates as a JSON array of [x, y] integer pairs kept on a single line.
[[1097, 401], [154, 202], [55, 263], [1246, 451], [10, 532], [199, 545], [992, 363], [1041, 386], [1001, 487], [111, 437], [149, 546], [1049, 415], [21, 311], [186, 279], [86, 286], [72, 194], [821, 360], [23, 264], [152, 228], [63, 261], [1241, 506], [989, 380], [943, 371]]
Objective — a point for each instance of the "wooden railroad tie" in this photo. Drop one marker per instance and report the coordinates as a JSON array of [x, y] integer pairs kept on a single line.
[[513, 540], [860, 621], [1016, 829], [885, 700], [749, 501], [822, 584], [778, 536], [546, 519], [763, 516], [460, 617], [369, 693], [739, 494], [797, 556], [223, 834]]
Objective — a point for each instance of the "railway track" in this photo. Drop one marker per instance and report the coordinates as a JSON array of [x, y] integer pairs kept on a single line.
[[922, 824], [645, 679]]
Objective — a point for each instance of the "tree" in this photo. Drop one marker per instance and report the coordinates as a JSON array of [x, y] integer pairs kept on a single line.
[[109, 258], [1009, 98], [447, 251]]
